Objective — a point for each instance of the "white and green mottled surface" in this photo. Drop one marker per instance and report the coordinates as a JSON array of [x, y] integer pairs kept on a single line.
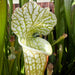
[[30, 19], [27, 21]]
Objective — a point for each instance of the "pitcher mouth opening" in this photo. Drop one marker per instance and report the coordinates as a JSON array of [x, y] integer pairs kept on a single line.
[[32, 49]]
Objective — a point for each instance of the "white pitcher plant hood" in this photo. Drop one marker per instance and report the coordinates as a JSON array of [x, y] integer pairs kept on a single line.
[[32, 19]]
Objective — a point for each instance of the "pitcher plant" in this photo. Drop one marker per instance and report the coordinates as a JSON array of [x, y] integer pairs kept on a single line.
[[27, 22]]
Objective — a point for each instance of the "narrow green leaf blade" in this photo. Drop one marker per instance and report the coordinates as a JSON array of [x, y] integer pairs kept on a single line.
[[67, 6], [3, 22]]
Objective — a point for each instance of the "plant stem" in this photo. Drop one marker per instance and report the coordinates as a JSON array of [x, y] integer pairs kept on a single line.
[[21, 2], [60, 57], [60, 27], [10, 15], [60, 39]]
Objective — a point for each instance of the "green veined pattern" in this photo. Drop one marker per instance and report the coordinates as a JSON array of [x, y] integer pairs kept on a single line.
[[29, 20]]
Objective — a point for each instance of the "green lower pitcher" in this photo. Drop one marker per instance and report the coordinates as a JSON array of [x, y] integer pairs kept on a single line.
[[35, 61]]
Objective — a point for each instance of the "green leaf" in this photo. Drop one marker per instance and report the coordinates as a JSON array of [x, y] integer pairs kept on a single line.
[[73, 22], [3, 22], [60, 30], [67, 6]]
